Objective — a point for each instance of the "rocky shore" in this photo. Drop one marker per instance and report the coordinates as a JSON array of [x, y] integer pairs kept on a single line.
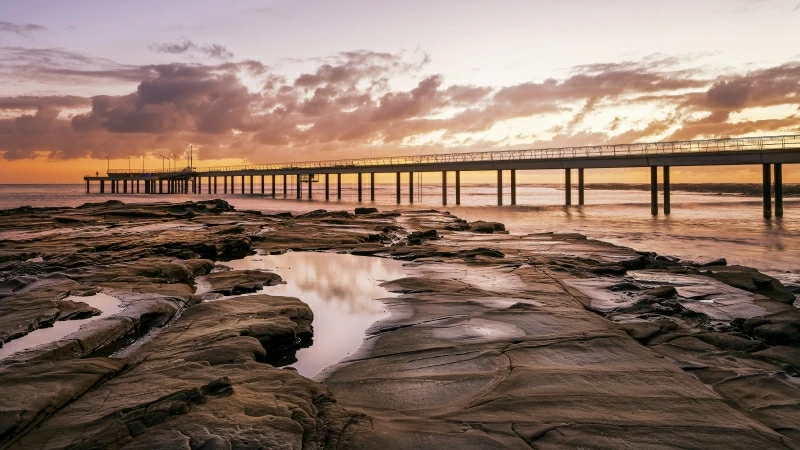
[[495, 341]]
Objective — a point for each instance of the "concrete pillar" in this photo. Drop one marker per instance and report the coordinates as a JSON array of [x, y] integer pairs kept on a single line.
[[654, 190], [665, 182], [215, 185], [124, 186], [338, 186], [87, 186], [359, 187], [778, 190], [137, 187], [458, 187], [273, 185], [568, 187], [284, 185], [199, 184], [225, 183], [444, 188], [580, 186], [298, 189], [767, 194], [372, 187], [251, 187], [513, 186], [310, 185], [327, 187], [410, 188], [397, 175], [499, 188], [102, 186], [160, 186]]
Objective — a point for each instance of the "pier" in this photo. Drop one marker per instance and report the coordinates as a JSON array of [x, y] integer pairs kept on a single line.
[[770, 152]]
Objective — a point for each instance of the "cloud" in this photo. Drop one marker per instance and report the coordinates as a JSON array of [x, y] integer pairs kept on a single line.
[[33, 102], [25, 29], [186, 46], [347, 106]]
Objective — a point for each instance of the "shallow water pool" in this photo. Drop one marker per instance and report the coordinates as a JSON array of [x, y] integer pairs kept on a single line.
[[342, 291]]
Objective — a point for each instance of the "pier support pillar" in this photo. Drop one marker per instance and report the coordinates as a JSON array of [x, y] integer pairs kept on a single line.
[[124, 186], [778, 189], [137, 187], [654, 190], [102, 186], [327, 187], [410, 188], [284, 186], [225, 184], [767, 185], [251, 184], [580, 186], [513, 186], [243, 184], [665, 182], [397, 176], [87, 186], [372, 186], [262, 184], [458, 187], [444, 188], [338, 186], [273, 185], [215, 185], [359, 187], [160, 186], [310, 185], [298, 189], [499, 188], [568, 187]]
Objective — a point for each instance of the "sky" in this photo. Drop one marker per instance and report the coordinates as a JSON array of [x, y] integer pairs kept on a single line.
[[86, 85]]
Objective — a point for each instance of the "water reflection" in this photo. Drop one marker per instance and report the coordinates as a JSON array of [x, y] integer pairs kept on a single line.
[[342, 291], [107, 304]]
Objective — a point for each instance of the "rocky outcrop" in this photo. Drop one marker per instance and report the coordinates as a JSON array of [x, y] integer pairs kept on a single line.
[[234, 282]]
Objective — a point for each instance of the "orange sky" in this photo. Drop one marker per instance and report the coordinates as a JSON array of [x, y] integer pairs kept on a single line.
[[81, 81]]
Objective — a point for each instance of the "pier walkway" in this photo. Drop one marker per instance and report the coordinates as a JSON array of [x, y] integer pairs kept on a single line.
[[771, 152]]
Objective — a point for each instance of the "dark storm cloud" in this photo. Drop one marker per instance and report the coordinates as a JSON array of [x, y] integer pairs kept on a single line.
[[347, 106]]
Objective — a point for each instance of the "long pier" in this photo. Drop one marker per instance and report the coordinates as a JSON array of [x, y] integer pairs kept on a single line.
[[771, 152]]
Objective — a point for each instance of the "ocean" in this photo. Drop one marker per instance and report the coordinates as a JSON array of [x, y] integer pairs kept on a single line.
[[702, 225]]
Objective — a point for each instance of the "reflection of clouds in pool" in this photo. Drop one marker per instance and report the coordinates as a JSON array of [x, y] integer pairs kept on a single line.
[[337, 278], [341, 290]]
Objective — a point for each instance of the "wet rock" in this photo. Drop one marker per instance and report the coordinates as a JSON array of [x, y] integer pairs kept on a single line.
[[775, 329], [752, 280], [663, 292], [486, 227], [37, 305], [416, 237], [481, 251], [199, 384], [32, 392], [235, 282], [365, 210]]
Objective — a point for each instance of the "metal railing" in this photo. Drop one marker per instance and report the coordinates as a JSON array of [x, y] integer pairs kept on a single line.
[[760, 143]]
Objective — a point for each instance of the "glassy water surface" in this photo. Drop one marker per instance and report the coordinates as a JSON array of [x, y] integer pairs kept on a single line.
[[342, 291], [107, 304]]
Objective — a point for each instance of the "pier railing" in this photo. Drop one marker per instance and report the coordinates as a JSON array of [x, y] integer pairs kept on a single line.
[[748, 144]]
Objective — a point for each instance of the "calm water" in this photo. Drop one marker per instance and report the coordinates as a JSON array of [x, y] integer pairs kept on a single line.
[[107, 305], [701, 226], [342, 291]]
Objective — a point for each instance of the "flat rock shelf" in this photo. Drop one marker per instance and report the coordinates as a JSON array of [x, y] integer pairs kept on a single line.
[[429, 331]]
